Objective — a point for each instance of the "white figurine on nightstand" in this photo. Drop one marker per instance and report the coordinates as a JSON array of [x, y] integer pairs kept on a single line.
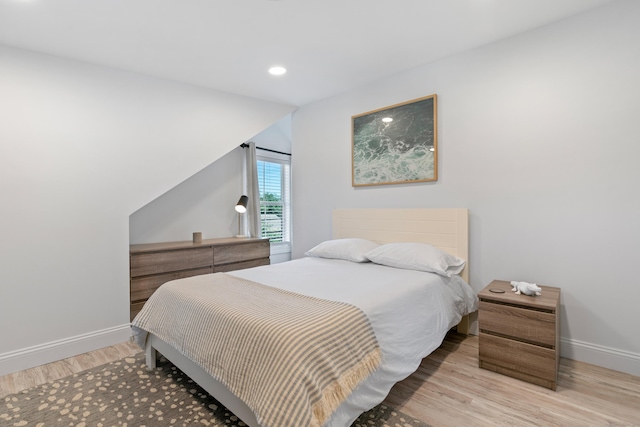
[[526, 288]]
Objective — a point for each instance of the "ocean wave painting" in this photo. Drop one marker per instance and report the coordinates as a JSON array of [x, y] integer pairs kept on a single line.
[[396, 145]]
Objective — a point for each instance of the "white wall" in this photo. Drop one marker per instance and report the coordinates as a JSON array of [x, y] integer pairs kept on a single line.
[[276, 137], [205, 201], [81, 148], [538, 137]]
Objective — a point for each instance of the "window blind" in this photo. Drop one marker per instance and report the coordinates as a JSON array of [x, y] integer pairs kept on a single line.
[[275, 192]]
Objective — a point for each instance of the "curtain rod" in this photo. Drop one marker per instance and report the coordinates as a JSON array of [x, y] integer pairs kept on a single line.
[[245, 145]]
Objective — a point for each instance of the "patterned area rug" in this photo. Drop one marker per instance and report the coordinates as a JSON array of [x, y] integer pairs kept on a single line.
[[123, 393]]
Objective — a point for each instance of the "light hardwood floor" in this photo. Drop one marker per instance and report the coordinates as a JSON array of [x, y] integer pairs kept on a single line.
[[450, 390], [28, 378]]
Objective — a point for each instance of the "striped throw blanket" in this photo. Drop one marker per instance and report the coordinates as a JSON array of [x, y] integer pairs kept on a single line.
[[293, 359]]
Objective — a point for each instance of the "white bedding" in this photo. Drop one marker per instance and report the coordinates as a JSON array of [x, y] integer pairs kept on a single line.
[[410, 312]]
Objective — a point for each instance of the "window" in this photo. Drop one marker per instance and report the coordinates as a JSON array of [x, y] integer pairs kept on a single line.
[[274, 181]]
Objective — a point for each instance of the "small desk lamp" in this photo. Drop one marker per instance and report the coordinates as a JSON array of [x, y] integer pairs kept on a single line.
[[241, 207]]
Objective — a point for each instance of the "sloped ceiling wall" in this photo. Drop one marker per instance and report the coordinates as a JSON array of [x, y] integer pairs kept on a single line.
[[82, 147]]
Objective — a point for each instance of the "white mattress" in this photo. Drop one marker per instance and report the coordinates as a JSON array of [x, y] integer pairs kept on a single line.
[[410, 312]]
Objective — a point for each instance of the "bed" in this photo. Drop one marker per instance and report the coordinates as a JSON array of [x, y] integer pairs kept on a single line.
[[408, 311]]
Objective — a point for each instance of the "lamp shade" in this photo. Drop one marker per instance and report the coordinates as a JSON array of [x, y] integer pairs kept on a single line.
[[241, 206]]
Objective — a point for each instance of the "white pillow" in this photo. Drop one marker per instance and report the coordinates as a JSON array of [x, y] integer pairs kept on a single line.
[[347, 249], [417, 256]]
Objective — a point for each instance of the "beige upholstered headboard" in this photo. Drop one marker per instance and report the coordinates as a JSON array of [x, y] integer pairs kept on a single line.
[[447, 229]]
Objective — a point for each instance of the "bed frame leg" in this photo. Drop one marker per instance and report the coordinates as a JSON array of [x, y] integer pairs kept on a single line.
[[464, 325], [151, 356]]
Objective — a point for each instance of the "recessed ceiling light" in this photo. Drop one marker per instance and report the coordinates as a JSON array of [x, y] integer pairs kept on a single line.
[[387, 120], [277, 70]]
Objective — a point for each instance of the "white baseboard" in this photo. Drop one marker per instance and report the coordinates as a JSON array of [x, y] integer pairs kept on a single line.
[[30, 357], [56, 350], [607, 357]]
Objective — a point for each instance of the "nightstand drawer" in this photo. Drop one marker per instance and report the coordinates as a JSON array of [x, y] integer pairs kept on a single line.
[[519, 360], [532, 326]]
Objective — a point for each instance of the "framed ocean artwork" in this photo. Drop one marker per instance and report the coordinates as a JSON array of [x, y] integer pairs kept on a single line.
[[396, 144]]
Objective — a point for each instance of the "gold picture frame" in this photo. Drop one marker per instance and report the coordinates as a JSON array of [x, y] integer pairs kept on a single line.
[[396, 144]]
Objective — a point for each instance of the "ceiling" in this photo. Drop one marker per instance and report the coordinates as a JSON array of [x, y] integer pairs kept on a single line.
[[328, 46]]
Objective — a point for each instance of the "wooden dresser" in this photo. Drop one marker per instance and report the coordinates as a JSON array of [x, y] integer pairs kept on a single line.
[[520, 334], [153, 264]]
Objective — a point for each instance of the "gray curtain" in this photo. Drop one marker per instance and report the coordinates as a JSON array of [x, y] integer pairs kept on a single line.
[[253, 192]]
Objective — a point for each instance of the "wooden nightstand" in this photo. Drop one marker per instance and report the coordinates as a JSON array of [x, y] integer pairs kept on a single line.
[[519, 334]]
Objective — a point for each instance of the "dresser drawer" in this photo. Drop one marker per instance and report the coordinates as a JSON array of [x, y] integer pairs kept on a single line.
[[135, 309], [532, 326], [143, 287], [167, 261], [519, 360], [227, 254], [240, 265]]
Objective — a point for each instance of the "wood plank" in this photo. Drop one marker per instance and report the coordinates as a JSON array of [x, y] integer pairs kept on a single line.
[[518, 359], [530, 326], [154, 264], [22, 380], [143, 287], [241, 265], [143, 264], [185, 244], [548, 301], [226, 254], [449, 389]]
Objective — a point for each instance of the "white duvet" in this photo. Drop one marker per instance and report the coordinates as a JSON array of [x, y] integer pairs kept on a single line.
[[410, 312]]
